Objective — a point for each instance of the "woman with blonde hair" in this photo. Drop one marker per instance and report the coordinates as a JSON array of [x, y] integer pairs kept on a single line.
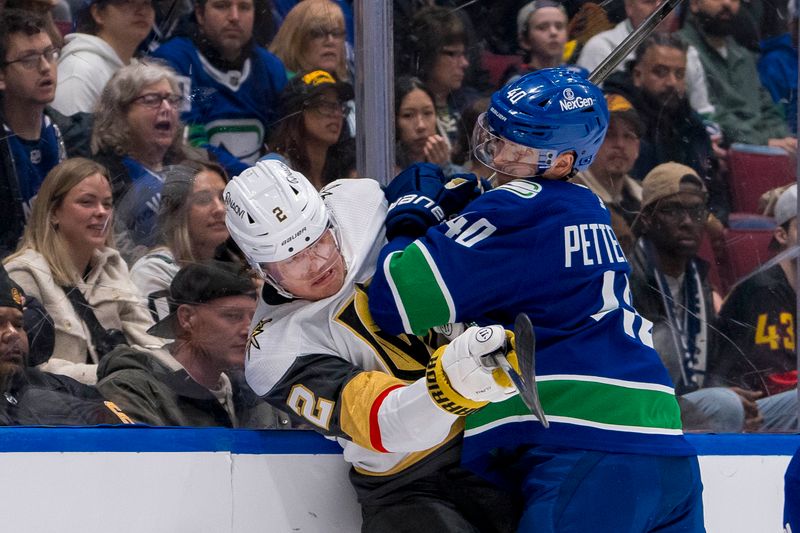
[[67, 261], [191, 223], [311, 37]]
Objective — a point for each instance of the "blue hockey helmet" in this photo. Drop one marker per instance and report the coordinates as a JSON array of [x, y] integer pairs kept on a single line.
[[536, 118]]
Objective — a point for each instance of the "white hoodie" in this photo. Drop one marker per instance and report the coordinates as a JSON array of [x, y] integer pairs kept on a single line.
[[86, 64]]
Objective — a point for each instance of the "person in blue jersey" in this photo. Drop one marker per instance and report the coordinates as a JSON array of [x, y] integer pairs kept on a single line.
[[30, 144], [614, 457], [230, 83]]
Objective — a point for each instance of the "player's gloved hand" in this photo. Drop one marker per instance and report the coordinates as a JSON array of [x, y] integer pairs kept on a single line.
[[420, 197], [461, 379]]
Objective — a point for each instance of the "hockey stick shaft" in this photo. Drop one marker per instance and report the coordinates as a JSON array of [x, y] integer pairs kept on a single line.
[[607, 66]]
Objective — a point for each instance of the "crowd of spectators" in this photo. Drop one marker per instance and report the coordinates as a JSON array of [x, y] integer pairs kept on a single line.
[[121, 133]]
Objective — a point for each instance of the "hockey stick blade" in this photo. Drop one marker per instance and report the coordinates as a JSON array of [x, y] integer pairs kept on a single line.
[[618, 54], [525, 381]]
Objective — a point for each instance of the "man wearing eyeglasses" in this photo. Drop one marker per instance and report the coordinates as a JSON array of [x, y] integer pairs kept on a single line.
[[230, 83], [31, 144], [670, 288]]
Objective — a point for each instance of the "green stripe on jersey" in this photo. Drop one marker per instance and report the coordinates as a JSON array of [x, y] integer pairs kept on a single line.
[[593, 404], [420, 295]]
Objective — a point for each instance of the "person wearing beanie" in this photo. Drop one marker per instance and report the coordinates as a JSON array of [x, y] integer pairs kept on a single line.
[[755, 348], [542, 36], [30, 396], [670, 288], [201, 382]]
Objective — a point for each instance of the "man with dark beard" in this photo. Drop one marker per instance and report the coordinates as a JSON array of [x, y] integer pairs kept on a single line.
[[672, 130], [30, 396], [744, 109]]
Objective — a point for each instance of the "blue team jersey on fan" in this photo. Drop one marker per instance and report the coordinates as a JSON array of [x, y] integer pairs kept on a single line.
[[544, 248], [229, 112], [32, 160]]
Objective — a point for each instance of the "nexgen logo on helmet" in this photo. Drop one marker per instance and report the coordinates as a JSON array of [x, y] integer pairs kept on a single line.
[[575, 103]]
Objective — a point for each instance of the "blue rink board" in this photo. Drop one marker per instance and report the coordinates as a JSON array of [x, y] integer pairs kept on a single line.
[[278, 442]]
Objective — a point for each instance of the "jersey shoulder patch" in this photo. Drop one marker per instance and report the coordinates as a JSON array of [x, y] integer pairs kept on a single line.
[[522, 188]]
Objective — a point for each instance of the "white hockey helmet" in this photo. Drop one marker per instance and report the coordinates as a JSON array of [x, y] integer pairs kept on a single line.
[[273, 213]]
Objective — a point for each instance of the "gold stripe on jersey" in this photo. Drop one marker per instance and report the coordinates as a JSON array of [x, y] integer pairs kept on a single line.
[[404, 356], [362, 391], [414, 457]]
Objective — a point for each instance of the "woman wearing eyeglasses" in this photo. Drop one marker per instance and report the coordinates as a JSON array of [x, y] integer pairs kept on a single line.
[[312, 36], [436, 50], [108, 35], [136, 133], [310, 137]]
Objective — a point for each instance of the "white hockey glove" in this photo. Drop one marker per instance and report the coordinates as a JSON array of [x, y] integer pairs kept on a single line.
[[460, 381]]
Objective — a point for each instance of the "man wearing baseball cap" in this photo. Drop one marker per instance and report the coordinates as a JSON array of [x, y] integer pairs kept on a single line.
[[29, 396], [756, 345], [670, 289], [202, 383]]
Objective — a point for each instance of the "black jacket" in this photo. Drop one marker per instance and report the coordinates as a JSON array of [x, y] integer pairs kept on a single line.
[[39, 398]]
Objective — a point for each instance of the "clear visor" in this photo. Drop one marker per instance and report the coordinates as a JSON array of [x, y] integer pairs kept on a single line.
[[505, 156], [309, 264]]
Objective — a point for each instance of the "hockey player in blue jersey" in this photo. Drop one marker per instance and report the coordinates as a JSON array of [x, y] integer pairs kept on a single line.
[[614, 457]]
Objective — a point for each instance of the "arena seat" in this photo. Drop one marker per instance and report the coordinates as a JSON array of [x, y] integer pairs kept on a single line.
[[755, 170], [746, 246], [497, 64]]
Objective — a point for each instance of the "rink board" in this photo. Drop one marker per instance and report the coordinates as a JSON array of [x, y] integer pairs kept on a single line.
[[176, 480]]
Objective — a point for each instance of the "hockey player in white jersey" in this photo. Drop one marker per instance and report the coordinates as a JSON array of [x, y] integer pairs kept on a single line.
[[395, 403]]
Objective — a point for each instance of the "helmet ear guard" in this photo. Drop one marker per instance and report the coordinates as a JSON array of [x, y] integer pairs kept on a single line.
[[552, 111]]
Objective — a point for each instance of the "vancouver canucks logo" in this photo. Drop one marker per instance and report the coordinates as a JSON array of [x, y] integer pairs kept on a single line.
[[252, 341]]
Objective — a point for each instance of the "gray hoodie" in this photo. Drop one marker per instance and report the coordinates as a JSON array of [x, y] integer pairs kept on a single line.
[[86, 64]]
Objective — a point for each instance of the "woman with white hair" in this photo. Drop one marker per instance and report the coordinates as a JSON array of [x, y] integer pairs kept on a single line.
[[137, 132]]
